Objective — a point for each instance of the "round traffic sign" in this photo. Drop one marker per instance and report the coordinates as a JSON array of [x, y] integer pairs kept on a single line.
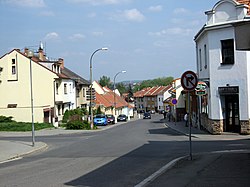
[[189, 80], [174, 101]]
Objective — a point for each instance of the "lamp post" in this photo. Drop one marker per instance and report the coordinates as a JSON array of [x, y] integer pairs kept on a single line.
[[114, 89], [30, 55], [90, 74]]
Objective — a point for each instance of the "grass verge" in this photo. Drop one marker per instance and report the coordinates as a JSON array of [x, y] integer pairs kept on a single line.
[[22, 126]]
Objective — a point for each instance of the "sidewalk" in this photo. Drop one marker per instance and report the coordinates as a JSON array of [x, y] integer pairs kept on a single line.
[[10, 150], [222, 168]]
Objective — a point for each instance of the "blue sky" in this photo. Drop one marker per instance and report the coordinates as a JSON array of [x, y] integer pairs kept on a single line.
[[147, 38]]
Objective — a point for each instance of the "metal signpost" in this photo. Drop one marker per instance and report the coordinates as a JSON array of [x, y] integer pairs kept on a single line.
[[174, 102], [189, 82]]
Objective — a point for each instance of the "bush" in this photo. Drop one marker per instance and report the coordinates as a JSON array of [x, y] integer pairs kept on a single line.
[[4, 119], [86, 125], [74, 125], [68, 113], [79, 125]]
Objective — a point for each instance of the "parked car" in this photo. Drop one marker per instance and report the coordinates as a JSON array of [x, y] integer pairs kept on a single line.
[[147, 115], [110, 118], [100, 119], [122, 117]]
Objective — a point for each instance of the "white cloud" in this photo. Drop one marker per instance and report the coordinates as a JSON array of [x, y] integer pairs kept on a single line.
[[96, 33], [26, 3], [172, 31], [157, 8], [51, 36], [181, 11], [134, 15], [98, 2], [76, 37], [130, 15]]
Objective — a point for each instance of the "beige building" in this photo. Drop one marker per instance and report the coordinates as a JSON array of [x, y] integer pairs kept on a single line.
[[55, 88], [15, 88]]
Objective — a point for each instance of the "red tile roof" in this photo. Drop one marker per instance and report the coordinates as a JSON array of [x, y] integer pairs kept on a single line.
[[107, 99], [154, 91], [246, 2]]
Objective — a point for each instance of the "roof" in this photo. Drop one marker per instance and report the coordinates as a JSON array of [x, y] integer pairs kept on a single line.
[[74, 76], [107, 99], [154, 91], [33, 59], [142, 92], [246, 2]]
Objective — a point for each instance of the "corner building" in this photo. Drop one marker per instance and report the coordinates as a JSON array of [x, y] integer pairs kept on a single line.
[[224, 68]]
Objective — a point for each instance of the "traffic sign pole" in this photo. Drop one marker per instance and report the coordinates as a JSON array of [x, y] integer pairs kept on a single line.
[[189, 82], [190, 130]]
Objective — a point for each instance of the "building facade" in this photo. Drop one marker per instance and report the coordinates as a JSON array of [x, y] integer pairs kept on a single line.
[[55, 88], [225, 70]]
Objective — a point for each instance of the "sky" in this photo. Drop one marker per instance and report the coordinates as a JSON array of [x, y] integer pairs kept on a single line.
[[146, 38]]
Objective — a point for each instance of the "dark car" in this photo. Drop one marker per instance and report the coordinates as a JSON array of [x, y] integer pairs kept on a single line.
[[100, 119], [147, 115], [122, 117], [110, 118]]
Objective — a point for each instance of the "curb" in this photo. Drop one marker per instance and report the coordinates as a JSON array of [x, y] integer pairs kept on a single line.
[[186, 134], [44, 146], [159, 172]]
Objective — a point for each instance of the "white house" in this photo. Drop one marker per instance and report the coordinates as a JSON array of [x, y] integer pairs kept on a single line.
[[226, 107]]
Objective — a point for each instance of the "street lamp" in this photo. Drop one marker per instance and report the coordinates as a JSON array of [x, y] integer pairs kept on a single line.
[[30, 55], [114, 88], [90, 67]]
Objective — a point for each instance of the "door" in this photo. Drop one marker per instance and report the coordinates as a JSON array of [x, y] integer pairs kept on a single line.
[[232, 122]]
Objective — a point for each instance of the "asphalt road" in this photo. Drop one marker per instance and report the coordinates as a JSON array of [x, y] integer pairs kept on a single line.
[[120, 156]]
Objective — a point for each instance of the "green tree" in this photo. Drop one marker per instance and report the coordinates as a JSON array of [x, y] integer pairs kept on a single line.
[[130, 93], [121, 87], [163, 81], [105, 81]]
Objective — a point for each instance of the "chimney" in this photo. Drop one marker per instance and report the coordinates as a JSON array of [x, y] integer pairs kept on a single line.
[[61, 62], [26, 50], [41, 54]]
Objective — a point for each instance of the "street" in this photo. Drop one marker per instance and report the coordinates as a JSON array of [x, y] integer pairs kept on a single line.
[[121, 156]]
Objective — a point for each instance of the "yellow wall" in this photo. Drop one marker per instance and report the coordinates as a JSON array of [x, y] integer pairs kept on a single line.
[[18, 91]]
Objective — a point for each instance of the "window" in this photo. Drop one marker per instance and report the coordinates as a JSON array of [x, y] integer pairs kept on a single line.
[[57, 86], [77, 92], [65, 88], [13, 67], [200, 59], [205, 56], [59, 110], [227, 51], [83, 92]]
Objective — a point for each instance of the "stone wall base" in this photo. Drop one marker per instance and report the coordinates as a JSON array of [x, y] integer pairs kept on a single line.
[[212, 126], [245, 127], [216, 126]]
